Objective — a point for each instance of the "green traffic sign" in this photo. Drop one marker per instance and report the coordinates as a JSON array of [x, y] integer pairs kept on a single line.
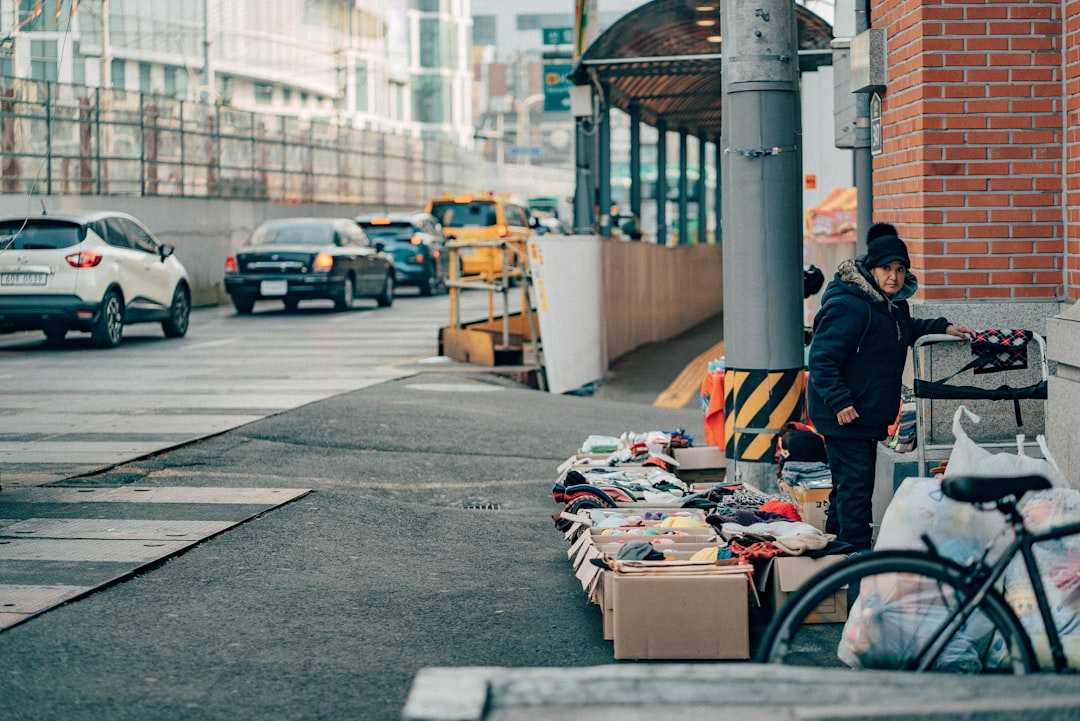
[[557, 87], [558, 36]]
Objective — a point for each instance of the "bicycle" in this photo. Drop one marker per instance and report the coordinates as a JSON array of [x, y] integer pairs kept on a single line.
[[922, 611]]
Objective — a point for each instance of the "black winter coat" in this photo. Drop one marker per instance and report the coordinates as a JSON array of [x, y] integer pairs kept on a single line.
[[858, 352]]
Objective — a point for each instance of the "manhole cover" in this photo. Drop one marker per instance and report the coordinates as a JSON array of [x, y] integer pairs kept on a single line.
[[480, 506]]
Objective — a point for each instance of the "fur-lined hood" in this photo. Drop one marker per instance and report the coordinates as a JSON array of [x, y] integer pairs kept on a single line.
[[855, 274]]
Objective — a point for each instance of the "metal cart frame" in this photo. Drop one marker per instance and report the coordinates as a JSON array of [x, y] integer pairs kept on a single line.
[[926, 391]]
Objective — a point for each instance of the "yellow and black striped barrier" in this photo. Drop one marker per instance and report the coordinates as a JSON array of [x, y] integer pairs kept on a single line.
[[757, 404]]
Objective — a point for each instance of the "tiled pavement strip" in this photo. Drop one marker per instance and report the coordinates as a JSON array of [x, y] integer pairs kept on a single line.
[[48, 557]]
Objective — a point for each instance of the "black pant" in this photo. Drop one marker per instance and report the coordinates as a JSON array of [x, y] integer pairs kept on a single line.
[[852, 462]]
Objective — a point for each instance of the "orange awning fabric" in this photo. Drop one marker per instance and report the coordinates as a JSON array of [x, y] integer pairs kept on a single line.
[[833, 220]]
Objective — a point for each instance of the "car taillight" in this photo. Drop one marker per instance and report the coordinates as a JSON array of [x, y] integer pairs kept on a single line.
[[85, 259], [417, 259], [436, 253], [323, 263], [416, 240], [503, 230], [230, 265]]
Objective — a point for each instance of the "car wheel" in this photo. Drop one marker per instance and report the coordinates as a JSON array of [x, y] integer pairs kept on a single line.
[[344, 298], [244, 305], [386, 297], [430, 284], [176, 325], [109, 326]]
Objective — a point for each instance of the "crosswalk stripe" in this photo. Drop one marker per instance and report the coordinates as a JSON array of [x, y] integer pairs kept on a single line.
[[43, 548]]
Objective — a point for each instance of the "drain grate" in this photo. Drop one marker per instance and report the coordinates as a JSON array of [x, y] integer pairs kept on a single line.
[[481, 506]]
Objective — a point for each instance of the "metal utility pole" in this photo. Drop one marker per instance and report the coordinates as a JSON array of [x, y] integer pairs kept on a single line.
[[762, 215], [208, 69], [106, 48]]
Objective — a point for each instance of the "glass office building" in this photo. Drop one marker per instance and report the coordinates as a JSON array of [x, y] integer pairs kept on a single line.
[[397, 66]]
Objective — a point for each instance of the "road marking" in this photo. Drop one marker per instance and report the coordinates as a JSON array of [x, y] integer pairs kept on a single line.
[[688, 382], [37, 553]]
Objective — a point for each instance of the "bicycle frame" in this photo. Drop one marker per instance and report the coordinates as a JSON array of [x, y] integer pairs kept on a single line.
[[984, 576]]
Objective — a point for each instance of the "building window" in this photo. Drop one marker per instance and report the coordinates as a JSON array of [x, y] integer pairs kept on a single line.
[[430, 43], [52, 16], [361, 88], [483, 30], [427, 6], [264, 93], [118, 74], [170, 82], [428, 99], [43, 60], [549, 20], [144, 78], [7, 62]]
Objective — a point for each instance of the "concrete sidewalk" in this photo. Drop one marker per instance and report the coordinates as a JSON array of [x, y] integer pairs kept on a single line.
[[743, 691]]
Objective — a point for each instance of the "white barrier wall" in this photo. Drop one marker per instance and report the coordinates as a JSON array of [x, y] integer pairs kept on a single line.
[[653, 292]]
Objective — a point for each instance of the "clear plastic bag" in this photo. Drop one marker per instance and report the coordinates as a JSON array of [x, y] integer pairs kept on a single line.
[[895, 616], [968, 458]]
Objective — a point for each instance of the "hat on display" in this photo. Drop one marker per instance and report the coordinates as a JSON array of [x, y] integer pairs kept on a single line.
[[884, 249], [806, 446]]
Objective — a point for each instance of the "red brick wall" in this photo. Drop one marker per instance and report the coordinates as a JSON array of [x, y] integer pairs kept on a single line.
[[1072, 151], [972, 161]]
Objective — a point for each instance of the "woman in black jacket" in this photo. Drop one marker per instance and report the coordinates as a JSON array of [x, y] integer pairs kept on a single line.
[[860, 345]]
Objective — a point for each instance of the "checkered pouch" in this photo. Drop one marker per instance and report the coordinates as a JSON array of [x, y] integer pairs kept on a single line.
[[999, 350]]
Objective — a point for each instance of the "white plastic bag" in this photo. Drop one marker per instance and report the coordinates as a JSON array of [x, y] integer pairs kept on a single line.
[[968, 458]]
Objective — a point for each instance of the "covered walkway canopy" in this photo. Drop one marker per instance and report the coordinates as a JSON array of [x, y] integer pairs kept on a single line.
[[661, 64]]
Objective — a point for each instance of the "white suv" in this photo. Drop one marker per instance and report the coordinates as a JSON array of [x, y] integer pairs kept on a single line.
[[90, 271]]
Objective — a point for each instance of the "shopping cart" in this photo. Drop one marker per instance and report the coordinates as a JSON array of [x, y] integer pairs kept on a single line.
[[1017, 406]]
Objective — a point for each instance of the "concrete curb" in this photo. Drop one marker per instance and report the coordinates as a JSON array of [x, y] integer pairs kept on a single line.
[[747, 692]]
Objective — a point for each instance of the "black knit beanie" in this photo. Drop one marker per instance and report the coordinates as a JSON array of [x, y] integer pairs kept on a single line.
[[885, 249]]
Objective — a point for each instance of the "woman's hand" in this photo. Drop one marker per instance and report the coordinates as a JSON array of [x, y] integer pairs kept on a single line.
[[962, 332], [848, 415]]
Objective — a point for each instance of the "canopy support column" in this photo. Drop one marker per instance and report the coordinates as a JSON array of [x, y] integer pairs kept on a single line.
[[635, 164], [684, 188], [661, 182]]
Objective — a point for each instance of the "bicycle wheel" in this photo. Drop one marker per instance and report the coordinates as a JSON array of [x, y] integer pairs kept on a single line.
[[904, 613]]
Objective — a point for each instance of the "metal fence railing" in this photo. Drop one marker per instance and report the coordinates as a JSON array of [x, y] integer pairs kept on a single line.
[[67, 139]]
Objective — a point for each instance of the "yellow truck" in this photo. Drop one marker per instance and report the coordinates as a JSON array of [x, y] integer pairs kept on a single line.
[[491, 221]]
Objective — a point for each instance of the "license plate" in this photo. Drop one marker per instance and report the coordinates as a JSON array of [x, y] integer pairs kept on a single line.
[[24, 279], [274, 287]]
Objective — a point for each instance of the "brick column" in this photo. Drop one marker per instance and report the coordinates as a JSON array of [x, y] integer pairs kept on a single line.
[[972, 163], [1072, 144]]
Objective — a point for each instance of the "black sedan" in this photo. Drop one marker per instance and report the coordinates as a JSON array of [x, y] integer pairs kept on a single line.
[[299, 259], [417, 245]]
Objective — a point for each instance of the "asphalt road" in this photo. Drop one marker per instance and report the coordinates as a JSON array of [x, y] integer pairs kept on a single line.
[[425, 540]]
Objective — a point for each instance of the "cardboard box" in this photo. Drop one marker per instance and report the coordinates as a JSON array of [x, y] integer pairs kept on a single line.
[[810, 502], [785, 574], [700, 464], [673, 616], [604, 597]]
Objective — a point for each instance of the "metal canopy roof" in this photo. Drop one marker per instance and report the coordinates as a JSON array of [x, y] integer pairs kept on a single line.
[[660, 58]]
